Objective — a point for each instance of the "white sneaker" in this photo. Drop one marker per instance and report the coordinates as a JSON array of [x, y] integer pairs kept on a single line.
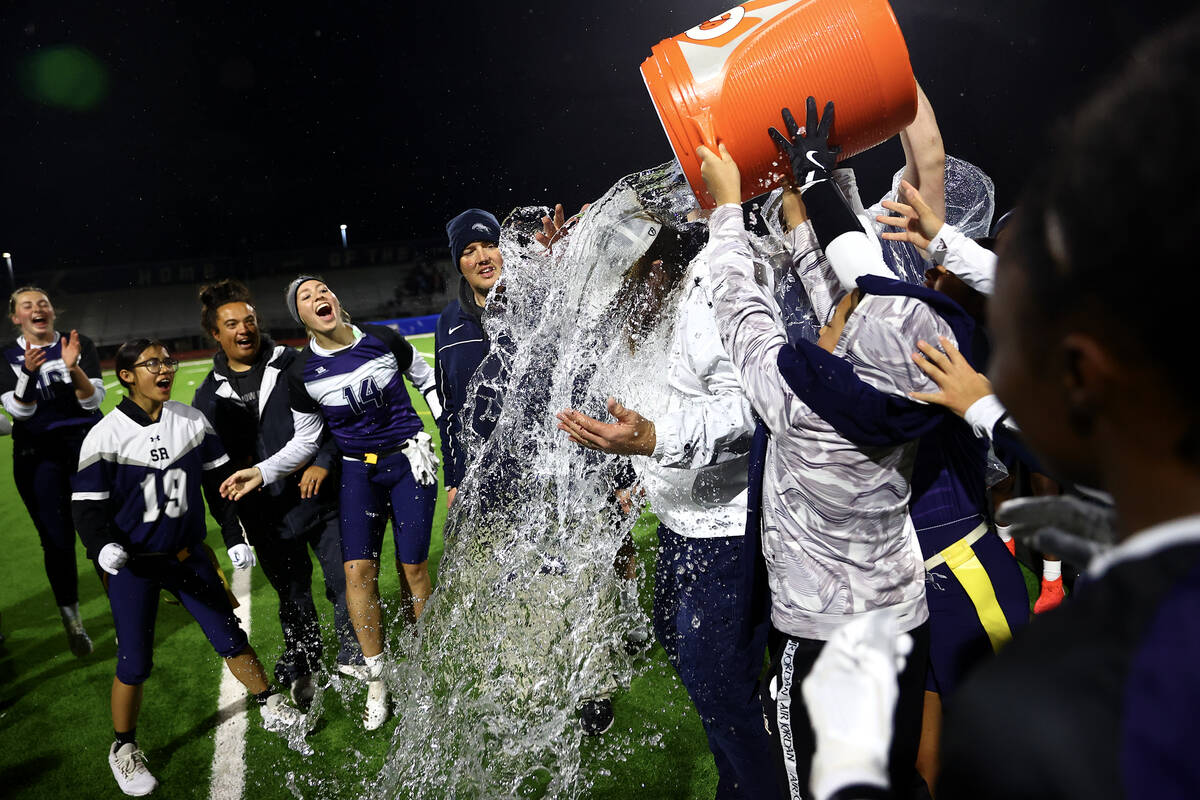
[[376, 711], [357, 671], [279, 715], [128, 765]]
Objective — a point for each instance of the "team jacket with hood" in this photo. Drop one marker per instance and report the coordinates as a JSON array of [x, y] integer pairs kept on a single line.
[[836, 533], [251, 434], [460, 346]]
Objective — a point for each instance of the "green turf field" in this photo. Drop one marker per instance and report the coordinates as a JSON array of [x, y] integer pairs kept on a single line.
[[55, 727]]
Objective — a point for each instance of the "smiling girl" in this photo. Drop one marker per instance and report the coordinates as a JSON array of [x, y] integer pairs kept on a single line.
[[53, 391], [137, 504], [351, 378]]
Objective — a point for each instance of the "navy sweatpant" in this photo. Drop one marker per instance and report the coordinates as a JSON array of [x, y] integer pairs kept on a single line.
[[288, 567], [957, 640], [695, 620], [133, 595], [42, 469]]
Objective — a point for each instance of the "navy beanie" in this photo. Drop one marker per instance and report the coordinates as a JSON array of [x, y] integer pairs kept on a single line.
[[472, 225]]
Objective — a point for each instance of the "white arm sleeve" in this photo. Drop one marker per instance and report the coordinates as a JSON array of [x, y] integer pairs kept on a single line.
[[303, 445], [15, 407], [966, 258], [93, 402], [983, 415], [422, 376]]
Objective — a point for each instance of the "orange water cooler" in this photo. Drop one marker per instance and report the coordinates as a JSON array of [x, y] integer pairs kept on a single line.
[[726, 79]]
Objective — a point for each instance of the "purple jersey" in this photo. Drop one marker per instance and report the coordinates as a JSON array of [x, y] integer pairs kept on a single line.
[[359, 390], [48, 395]]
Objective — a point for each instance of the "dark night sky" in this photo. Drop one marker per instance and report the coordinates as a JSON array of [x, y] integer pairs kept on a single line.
[[227, 130]]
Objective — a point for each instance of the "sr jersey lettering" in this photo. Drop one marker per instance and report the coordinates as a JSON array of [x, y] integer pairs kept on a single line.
[[150, 472]]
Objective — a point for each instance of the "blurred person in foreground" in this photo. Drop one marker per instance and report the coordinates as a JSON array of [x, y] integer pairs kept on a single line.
[[1098, 698]]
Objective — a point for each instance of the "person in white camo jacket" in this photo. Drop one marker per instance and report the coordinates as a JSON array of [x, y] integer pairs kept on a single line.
[[837, 538]]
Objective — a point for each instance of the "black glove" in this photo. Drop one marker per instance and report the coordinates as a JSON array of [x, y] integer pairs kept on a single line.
[[812, 157]]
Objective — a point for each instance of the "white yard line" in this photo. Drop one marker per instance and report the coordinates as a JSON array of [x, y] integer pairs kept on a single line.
[[229, 762]]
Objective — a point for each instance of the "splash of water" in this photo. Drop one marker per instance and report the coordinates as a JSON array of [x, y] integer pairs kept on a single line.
[[527, 622]]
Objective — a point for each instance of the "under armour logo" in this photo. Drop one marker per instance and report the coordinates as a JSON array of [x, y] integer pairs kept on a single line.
[[156, 438], [479, 226], [321, 370]]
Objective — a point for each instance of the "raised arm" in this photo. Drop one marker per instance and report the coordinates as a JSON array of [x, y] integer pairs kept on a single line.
[[925, 155], [747, 321], [850, 251], [83, 363], [920, 225], [20, 387]]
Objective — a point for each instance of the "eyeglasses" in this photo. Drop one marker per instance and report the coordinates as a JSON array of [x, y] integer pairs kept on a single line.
[[156, 365]]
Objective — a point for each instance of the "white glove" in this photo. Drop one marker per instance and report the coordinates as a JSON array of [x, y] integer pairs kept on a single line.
[[242, 556], [419, 451], [112, 557], [851, 698]]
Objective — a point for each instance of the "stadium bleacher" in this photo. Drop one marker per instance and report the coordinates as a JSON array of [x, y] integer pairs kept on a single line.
[[415, 281]]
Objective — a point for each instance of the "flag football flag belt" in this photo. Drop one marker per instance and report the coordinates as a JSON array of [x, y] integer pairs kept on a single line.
[[373, 458], [978, 585], [180, 556]]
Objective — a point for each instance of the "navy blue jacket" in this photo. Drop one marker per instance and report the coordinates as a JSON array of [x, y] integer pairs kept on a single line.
[[250, 435], [460, 346]]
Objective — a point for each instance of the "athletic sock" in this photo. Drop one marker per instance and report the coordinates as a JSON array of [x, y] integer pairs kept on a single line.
[[1051, 570], [1003, 532], [374, 666], [262, 697], [128, 737], [69, 613]]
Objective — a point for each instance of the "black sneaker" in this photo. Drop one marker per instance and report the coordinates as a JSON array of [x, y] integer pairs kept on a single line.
[[77, 638], [596, 716]]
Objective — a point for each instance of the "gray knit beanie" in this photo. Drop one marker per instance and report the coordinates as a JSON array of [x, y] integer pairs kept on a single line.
[[289, 295]]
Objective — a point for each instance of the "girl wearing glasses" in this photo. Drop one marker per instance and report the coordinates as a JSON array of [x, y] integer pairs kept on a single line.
[[351, 378], [53, 391], [137, 506]]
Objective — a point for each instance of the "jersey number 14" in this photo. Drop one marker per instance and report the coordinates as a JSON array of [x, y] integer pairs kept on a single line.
[[368, 395], [174, 495]]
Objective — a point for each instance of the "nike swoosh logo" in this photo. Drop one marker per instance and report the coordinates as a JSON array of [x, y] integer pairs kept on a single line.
[[817, 164], [452, 330]]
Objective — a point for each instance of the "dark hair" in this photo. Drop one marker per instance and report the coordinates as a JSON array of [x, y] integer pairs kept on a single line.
[[127, 355], [1134, 280], [215, 295]]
